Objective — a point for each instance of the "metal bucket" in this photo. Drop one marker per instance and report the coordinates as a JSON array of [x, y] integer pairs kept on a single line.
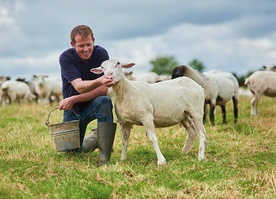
[[65, 136]]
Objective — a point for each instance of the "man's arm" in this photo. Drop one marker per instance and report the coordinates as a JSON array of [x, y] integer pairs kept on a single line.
[[68, 103], [83, 86]]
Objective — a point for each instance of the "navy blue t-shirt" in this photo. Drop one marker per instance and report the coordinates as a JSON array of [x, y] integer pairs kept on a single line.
[[72, 67]]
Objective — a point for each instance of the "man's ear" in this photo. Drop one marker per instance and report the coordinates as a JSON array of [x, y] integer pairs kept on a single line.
[[72, 44]]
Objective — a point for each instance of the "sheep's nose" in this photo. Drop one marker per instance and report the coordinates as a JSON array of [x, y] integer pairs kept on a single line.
[[109, 73]]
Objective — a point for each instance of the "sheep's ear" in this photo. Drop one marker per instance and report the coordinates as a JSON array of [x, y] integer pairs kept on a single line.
[[98, 70], [128, 65]]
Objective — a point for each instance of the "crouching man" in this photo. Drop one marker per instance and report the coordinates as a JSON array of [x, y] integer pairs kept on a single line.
[[86, 93]]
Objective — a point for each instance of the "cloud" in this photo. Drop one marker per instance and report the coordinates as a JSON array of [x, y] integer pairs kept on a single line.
[[219, 46], [236, 36], [28, 66]]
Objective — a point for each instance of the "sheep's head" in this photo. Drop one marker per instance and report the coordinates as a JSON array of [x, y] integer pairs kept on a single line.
[[112, 67], [178, 71], [40, 79]]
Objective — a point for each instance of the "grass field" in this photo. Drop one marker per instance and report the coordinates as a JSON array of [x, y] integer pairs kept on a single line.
[[240, 160]]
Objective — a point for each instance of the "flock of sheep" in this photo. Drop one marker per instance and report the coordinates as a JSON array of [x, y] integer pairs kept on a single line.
[[40, 88], [181, 98]]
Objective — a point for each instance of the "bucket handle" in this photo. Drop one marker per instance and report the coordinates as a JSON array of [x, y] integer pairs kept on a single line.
[[47, 121]]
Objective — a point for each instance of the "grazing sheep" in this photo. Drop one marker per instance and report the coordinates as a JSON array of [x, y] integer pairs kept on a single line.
[[261, 83], [245, 92], [129, 75], [3, 79], [163, 78], [219, 88], [30, 84], [160, 104], [270, 68], [47, 88], [16, 91], [150, 77]]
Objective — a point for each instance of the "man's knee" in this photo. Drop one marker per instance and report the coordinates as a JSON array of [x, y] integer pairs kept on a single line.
[[104, 101], [104, 109]]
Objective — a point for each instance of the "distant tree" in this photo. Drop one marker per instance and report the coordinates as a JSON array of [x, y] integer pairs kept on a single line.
[[242, 78], [196, 64], [163, 65]]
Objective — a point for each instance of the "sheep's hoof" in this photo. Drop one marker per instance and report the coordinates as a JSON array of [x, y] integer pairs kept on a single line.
[[122, 158], [186, 150], [160, 163], [200, 158]]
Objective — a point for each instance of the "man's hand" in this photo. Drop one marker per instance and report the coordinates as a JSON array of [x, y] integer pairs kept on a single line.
[[107, 80], [66, 104]]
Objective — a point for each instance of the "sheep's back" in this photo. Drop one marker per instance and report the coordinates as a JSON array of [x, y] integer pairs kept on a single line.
[[262, 82], [226, 84], [167, 101]]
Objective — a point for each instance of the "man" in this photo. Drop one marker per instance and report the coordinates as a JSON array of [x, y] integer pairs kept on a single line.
[[86, 93]]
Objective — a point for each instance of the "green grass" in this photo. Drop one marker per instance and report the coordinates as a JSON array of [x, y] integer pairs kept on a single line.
[[240, 160]]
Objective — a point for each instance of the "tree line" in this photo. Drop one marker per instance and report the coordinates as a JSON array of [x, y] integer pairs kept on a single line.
[[164, 65]]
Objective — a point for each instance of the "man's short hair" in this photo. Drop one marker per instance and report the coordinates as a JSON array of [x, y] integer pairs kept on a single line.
[[82, 30]]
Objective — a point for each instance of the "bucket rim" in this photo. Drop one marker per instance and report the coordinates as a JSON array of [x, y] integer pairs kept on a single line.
[[73, 121]]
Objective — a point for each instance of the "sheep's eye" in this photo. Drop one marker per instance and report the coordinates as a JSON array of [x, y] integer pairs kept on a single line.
[[118, 63]]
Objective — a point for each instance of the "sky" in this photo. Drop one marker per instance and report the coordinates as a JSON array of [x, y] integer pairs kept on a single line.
[[235, 36]]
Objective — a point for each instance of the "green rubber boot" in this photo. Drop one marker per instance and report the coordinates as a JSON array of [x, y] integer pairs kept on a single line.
[[106, 135]]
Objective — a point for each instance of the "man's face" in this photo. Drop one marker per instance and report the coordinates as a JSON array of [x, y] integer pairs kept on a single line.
[[84, 46]]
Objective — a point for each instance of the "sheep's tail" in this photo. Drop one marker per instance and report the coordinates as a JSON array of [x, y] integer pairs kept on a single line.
[[4, 87], [247, 81]]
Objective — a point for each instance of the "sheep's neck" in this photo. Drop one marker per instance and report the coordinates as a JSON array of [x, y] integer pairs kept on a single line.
[[120, 88], [196, 76]]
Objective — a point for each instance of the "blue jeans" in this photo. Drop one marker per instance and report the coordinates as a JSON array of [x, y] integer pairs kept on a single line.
[[99, 108]]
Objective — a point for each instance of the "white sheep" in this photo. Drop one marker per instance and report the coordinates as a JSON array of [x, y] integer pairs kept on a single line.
[[150, 77], [220, 87], [30, 83], [2, 79], [47, 88], [160, 104], [163, 78], [261, 83], [16, 91], [270, 68]]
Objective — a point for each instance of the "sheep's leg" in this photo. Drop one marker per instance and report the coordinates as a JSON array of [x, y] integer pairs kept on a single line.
[[235, 105], [212, 110], [254, 103], [150, 130], [202, 138], [189, 125], [125, 133], [194, 127], [223, 111], [205, 112]]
